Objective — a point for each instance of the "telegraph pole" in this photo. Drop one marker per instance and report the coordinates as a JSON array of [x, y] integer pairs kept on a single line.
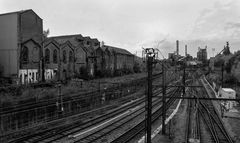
[[150, 55], [222, 73], [163, 100], [60, 100], [149, 99]]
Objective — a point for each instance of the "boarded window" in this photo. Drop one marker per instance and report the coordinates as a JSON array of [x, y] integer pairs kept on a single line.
[[55, 58], [25, 54], [64, 57], [70, 56], [47, 56]]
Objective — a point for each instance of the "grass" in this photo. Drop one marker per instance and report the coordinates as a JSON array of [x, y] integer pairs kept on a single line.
[[30, 94]]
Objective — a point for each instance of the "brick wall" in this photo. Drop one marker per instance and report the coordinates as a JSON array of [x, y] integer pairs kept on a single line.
[[67, 67], [30, 26]]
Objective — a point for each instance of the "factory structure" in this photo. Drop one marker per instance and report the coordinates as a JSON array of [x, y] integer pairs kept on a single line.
[[202, 54], [27, 56], [200, 59]]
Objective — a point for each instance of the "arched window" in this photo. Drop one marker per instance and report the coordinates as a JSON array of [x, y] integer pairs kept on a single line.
[[64, 57], [70, 56], [55, 57], [47, 56], [25, 54]]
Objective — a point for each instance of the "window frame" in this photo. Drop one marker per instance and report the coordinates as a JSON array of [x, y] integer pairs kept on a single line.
[[25, 54], [47, 56], [64, 56], [70, 57], [55, 56]]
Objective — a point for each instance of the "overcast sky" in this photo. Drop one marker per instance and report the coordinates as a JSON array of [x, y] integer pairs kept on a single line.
[[132, 24]]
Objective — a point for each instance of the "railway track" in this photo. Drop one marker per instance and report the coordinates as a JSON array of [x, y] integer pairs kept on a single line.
[[212, 119], [22, 118], [203, 122], [139, 128], [62, 132], [55, 133], [119, 124], [192, 122], [188, 121]]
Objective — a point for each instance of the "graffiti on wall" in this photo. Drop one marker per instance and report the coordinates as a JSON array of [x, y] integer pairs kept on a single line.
[[28, 75], [31, 75], [50, 74]]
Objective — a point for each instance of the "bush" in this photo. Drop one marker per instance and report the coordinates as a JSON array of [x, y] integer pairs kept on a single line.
[[136, 68], [126, 70], [118, 72], [83, 73], [219, 63], [99, 73], [107, 73], [229, 79]]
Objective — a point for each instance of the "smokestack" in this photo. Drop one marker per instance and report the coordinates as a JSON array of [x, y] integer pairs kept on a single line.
[[177, 43], [186, 50]]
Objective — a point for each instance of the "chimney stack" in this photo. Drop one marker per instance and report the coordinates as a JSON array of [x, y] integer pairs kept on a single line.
[[186, 50], [177, 43]]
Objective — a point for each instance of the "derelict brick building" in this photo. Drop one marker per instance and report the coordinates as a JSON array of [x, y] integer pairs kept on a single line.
[[20, 45], [25, 57]]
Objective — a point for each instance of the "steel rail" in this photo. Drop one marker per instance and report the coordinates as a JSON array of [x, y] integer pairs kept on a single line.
[[92, 137], [128, 135]]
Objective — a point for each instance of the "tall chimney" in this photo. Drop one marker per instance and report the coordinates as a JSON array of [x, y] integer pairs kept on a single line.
[[186, 50], [177, 43]]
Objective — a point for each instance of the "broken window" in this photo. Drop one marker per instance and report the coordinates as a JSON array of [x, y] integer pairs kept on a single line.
[[55, 58], [64, 57], [25, 54], [70, 56], [47, 56]]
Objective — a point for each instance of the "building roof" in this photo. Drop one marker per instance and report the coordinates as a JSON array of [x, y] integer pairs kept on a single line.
[[33, 40], [67, 43], [87, 38], [19, 12], [116, 50], [95, 40], [53, 41], [74, 39], [89, 49]]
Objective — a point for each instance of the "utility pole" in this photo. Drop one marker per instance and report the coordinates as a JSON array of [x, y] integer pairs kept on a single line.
[[149, 99], [163, 100], [60, 100], [150, 55], [222, 73]]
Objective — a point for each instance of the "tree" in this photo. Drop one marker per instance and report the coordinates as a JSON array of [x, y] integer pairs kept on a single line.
[[44, 37], [136, 67], [229, 64], [45, 33], [219, 62]]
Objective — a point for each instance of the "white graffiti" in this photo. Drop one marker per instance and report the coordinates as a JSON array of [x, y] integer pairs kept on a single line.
[[32, 75], [50, 74], [28, 75]]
